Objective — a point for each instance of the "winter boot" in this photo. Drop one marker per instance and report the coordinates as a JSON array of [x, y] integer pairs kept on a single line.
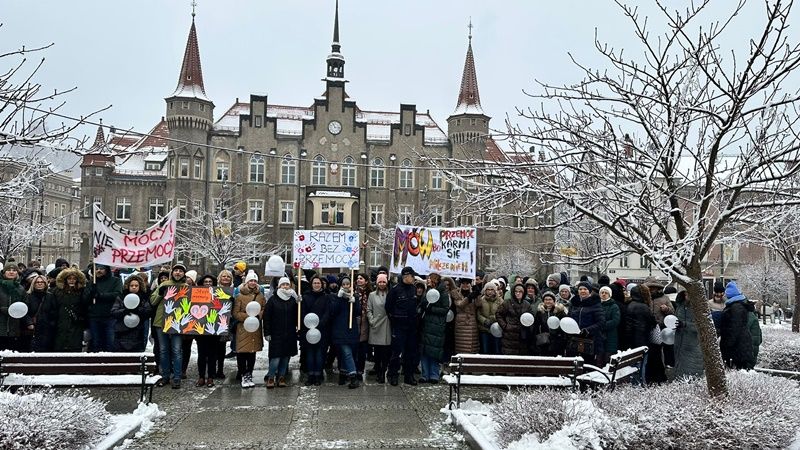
[[380, 377], [282, 382], [409, 379], [311, 380], [355, 382], [318, 380], [342, 379], [270, 382], [394, 380]]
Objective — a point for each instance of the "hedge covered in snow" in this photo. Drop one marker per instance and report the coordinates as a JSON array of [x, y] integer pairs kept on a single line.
[[780, 348], [50, 419], [760, 412]]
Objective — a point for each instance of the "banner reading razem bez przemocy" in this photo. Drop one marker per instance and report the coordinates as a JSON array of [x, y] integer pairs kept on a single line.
[[115, 246], [326, 249], [450, 252]]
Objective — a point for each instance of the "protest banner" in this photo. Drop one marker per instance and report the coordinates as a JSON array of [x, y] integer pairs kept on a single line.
[[197, 310], [450, 252], [319, 249], [116, 246]]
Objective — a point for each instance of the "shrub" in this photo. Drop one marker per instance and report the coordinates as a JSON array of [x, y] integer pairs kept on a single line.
[[760, 412], [779, 349], [50, 419]]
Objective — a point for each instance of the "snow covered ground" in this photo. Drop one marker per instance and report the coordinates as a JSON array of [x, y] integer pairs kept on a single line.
[[140, 421]]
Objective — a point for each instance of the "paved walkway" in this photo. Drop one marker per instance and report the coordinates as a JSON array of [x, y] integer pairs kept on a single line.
[[328, 416]]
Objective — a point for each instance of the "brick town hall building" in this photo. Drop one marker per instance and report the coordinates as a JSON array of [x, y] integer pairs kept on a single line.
[[328, 165]]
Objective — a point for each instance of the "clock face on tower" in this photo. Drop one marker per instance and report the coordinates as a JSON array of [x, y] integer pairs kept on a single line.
[[334, 127]]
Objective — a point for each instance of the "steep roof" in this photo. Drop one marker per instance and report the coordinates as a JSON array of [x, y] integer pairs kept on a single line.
[[469, 99], [190, 81]]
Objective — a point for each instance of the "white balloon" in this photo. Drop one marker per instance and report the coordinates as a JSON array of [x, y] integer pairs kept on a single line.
[[526, 319], [131, 320], [432, 296], [496, 330], [311, 320], [131, 301], [553, 322], [18, 310], [253, 308], [668, 336], [313, 336], [275, 263], [49, 268], [671, 321], [569, 325], [450, 315], [251, 324]]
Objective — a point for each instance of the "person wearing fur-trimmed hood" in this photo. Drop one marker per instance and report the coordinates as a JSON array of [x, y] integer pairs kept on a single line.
[[69, 310]]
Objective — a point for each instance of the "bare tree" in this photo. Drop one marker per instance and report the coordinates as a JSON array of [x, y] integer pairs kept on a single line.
[[664, 149], [515, 261], [766, 281]]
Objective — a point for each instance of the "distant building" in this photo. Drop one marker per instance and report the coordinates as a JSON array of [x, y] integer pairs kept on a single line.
[[326, 165]]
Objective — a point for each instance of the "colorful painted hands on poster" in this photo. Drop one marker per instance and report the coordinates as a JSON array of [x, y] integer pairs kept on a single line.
[[198, 310]]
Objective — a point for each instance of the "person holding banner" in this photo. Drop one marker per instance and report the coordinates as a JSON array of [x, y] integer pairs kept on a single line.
[[364, 349], [280, 330], [345, 332], [171, 355], [316, 302], [401, 307]]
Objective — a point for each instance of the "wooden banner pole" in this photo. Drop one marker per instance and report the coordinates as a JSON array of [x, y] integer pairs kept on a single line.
[[299, 290], [352, 293]]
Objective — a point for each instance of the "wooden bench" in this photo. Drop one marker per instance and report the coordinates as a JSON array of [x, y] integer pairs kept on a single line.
[[622, 365], [80, 369], [501, 370]]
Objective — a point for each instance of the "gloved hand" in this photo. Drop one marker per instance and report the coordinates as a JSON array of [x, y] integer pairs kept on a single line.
[[162, 290], [584, 333], [351, 299], [487, 323], [268, 338], [678, 324]]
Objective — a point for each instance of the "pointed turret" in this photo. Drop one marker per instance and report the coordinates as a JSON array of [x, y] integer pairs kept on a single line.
[[468, 126], [190, 81], [99, 145], [336, 59], [469, 99]]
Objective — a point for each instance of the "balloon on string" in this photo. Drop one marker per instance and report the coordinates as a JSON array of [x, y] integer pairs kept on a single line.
[[313, 336], [311, 320], [450, 315], [569, 325], [432, 296], [553, 322], [131, 320], [496, 330], [253, 308], [18, 310], [526, 319], [275, 263], [131, 301], [668, 336], [251, 324], [671, 321]]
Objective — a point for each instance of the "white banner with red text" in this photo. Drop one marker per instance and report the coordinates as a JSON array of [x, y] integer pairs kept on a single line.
[[116, 246]]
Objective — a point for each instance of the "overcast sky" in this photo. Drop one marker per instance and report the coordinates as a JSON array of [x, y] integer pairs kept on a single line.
[[128, 54]]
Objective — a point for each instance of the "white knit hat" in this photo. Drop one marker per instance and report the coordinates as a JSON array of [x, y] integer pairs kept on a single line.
[[192, 274], [284, 280], [251, 275]]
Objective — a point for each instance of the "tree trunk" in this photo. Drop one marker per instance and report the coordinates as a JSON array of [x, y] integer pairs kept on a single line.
[[712, 358], [796, 314]]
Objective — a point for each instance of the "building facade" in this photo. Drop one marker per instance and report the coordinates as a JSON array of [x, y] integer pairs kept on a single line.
[[328, 165]]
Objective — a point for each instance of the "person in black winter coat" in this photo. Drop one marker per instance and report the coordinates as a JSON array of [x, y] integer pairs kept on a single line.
[[315, 301], [639, 322], [105, 289], [131, 339], [401, 307], [618, 294], [344, 333], [588, 312], [554, 343], [735, 338], [44, 327]]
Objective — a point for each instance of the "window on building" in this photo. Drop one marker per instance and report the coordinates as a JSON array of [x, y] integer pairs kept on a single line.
[[98, 171], [348, 172], [437, 180], [319, 171], [644, 263], [197, 206], [407, 129], [55, 209], [406, 175], [46, 209], [520, 222], [623, 261], [155, 209], [332, 213], [258, 121], [222, 171], [123, 208], [221, 207], [198, 169], [375, 257], [256, 208], [152, 166], [87, 210], [490, 256], [490, 219], [63, 210], [465, 220], [95, 200], [437, 216], [287, 212], [172, 166], [185, 105], [181, 202], [183, 163], [376, 214], [288, 170], [257, 167], [377, 174], [404, 214]]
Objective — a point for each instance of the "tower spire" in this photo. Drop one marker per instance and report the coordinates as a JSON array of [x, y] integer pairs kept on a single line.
[[336, 47], [336, 59], [469, 99], [99, 139], [190, 80]]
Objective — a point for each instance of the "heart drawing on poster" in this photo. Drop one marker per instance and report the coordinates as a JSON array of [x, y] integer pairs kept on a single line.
[[198, 311]]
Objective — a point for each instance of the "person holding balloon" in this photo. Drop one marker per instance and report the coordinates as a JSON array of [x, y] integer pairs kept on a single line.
[[315, 325], [280, 329], [547, 338], [585, 309], [13, 309], [509, 315], [130, 311], [435, 307], [486, 313]]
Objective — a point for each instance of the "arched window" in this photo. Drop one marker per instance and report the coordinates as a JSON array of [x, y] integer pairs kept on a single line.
[[319, 171], [377, 174], [257, 167], [406, 180], [348, 171], [288, 170]]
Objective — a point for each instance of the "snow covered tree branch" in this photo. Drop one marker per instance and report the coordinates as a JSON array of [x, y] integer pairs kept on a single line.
[[677, 137]]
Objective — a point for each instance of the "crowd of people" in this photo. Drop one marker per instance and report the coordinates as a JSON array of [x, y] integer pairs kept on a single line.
[[409, 325]]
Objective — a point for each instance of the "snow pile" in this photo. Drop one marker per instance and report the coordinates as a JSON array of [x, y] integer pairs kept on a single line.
[[779, 348], [760, 412], [49, 419], [124, 424]]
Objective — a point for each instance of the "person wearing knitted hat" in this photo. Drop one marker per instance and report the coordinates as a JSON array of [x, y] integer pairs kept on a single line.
[[380, 331], [11, 291], [239, 271], [171, 353], [564, 295], [248, 343], [552, 283], [588, 313], [280, 322], [486, 312], [717, 303], [736, 338], [401, 307]]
